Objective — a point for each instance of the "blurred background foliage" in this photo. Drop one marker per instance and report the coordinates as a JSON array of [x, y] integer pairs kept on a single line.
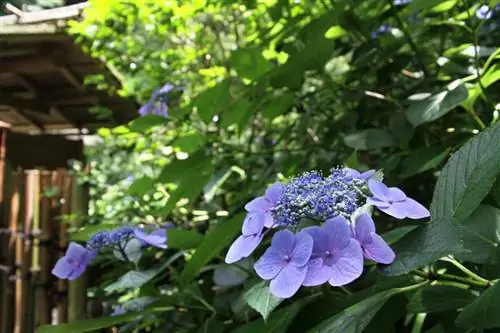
[[269, 89]]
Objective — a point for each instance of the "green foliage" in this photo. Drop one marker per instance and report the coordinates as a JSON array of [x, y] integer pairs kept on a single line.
[[277, 87]]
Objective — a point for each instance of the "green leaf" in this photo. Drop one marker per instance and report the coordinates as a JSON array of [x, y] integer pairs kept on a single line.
[[212, 101], [89, 325], [249, 62], [276, 323], [211, 246], [141, 186], [417, 5], [436, 106], [355, 318], [131, 280], [372, 138], [259, 297], [491, 76], [278, 105], [84, 233], [144, 123], [396, 234], [422, 160], [439, 299], [401, 128], [238, 113], [178, 169], [216, 183], [481, 236], [483, 312], [183, 239], [132, 251], [189, 142]]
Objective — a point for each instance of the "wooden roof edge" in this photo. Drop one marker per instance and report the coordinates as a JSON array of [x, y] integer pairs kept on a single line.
[[47, 15]]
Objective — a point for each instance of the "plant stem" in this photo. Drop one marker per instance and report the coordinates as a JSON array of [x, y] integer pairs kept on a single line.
[[465, 269], [450, 277]]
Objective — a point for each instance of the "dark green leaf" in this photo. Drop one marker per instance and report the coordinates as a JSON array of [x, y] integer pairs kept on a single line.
[[189, 142], [422, 160], [481, 236], [141, 186], [395, 234], [89, 325], [249, 62], [238, 113], [483, 312], [276, 323], [401, 128], [178, 169], [417, 5], [212, 101], [439, 299], [278, 105], [183, 239], [369, 139], [132, 279], [211, 246], [144, 123], [436, 106], [259, 297]]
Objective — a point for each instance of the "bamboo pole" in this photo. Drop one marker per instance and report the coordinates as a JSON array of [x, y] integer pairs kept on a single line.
[[58, 182], [5, 304], [17, 227]]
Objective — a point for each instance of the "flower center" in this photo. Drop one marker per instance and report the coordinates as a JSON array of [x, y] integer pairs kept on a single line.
[[287, 258]]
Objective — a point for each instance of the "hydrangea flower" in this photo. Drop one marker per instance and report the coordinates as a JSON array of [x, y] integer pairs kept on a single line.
[[251, 237], [266, 203], [157, 103], [336, 256], [358, 175], [285, 262], [74, 263], [157, 238], [374, 247], [394, 202], [380, 30], [401, 2], [484, 12]]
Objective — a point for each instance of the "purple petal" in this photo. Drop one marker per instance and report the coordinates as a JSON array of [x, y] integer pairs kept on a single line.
[[320, 240], [76, 252], [348, 264], [166, 88], [268, 220], [378, 250], [270, 264], [302, 249], [377, 203], [395, 194], [259, 204], [288, 281], [379, 190], [253, 224], [338, 232], [283, 242], [352, 172], [364, 228], [367, 174], [63, 268], [144, 110], [317, 273], [157, 238], [397, 210], [77, 272], [274, 193], [242, 247], [414, 210]]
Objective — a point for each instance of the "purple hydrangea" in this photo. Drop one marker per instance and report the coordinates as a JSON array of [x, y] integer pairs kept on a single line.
[[251, 237], [74, 263], [358, 175], [266, 203], [374, 247], [484, 12], [285, 262], [394, 202], [157, 103], [157, 238], [336, 257]]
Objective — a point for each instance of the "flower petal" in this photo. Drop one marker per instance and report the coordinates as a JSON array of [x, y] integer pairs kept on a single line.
[[377, 203], [395, 194], [352, 172], [317, 273], [348, 264], [283, 242], [414, 210], [302, 249], [396, 209], [288, 281], [364, 228], [338, 232], [367, 174], [260, 204], [274, 193], [378, 189], [64, 267], [269, 220], [270, 264], [165, 89], [76, 252], [156, 238], [242, 247], [253, 224], [77, 272], [378, 250], [320, 240]]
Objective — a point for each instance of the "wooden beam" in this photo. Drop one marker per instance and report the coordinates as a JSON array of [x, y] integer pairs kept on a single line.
[[27, 65], [29, 119], [72, 78], [14, 10], [20, 103], [60, 13]]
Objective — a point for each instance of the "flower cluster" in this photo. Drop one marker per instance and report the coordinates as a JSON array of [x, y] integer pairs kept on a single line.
[[157, 103], [74, 263], [323, 231], [484, 12]]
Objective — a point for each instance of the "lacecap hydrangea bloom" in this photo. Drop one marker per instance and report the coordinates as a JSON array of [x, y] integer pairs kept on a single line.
[[74, 263], [322, 231]]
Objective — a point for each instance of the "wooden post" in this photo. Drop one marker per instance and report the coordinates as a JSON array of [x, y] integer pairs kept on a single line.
[[17, 227], [77, 293], [5, 304], [61, 230]]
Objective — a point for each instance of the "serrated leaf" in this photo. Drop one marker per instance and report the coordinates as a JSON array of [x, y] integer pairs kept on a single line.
[[249, 62], [144, 123], [132, 279], [211, 246], [422, 160], [179, 169], [276, 323], [259, 297], [483, 312], [372, 138], [481, 236], [234, 274], [436, 106], [464, 182], [439, 299], [88, 325], [212, 101]]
